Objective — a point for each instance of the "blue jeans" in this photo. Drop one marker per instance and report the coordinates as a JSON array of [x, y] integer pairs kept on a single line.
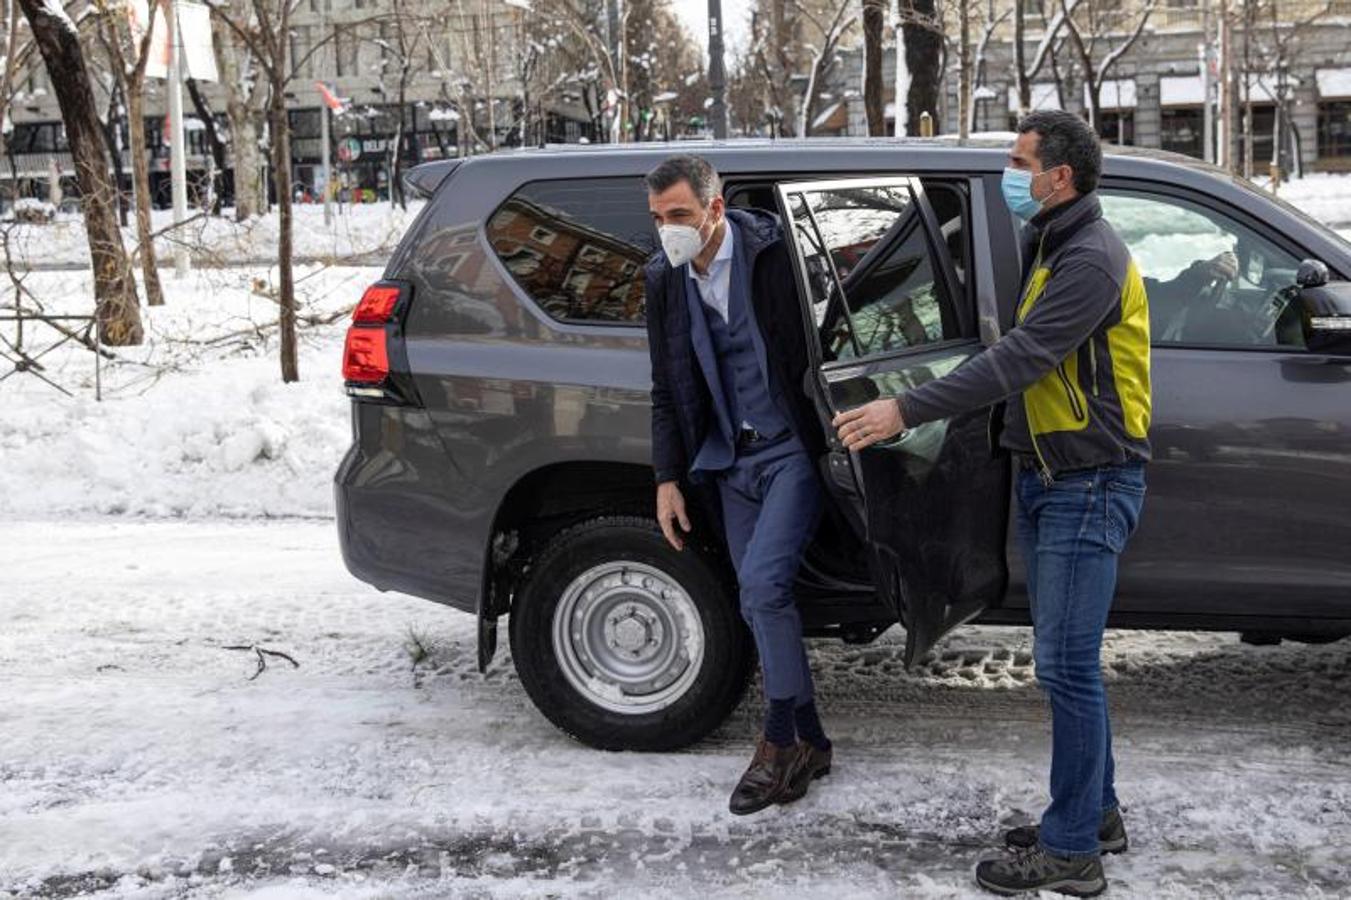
[[771, 500], [1071, 533]]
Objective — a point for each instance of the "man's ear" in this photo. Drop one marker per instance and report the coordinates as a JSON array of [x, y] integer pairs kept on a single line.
[[718, 206]]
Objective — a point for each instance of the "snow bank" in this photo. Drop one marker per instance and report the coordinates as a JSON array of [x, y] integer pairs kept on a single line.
[[357, 230], [1325, 196], [186, 429]]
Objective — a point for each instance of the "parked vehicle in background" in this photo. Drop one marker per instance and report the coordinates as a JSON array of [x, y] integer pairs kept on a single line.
[[499, 377]]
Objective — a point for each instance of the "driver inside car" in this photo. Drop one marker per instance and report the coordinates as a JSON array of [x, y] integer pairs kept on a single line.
[[1172, 300]]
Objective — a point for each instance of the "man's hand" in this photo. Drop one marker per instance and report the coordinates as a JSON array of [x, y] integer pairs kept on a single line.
[[671, 509], [866, 425], [1222, 267]]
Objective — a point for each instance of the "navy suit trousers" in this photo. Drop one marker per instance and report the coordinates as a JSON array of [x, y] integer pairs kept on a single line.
[[771, 502]]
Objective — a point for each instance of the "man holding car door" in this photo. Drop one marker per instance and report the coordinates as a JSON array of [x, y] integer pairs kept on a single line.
[[1074, 371]]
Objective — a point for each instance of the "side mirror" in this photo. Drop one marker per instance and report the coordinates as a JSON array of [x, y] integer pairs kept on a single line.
[[1311, 273], [1325, 309]]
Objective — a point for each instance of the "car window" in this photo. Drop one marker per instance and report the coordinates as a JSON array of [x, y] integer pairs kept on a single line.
[[1211, 280], [871, 275], [578, 246]]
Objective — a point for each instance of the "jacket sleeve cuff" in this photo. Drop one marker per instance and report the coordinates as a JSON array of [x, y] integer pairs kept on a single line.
[[911, 413], [665, 475]]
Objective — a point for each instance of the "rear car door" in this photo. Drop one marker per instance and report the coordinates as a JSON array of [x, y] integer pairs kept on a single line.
[[889, 304], [1248, 490]]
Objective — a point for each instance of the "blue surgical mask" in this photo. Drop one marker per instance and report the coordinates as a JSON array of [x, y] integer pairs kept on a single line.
[[1016, 186]]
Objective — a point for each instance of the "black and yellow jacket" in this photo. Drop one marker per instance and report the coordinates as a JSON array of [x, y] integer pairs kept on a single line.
[[1078, 353]]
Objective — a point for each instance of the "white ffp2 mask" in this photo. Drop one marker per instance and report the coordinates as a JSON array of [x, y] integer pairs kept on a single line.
[[682, 243]]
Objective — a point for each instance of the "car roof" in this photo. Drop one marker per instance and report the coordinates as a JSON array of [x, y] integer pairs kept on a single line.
[[979, 153]]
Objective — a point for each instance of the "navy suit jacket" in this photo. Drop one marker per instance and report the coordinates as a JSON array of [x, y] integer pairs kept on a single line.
[[682, 405]]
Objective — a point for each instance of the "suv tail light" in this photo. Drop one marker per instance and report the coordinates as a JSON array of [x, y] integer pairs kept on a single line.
[[375, 335]]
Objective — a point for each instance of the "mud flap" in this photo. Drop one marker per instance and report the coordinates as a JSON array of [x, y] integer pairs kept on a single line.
[[487, 640]]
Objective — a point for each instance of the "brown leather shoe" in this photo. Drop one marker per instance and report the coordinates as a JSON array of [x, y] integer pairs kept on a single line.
[[810, 765], [767, 779]]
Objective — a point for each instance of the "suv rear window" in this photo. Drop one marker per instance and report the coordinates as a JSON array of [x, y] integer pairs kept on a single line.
[[578, 246]]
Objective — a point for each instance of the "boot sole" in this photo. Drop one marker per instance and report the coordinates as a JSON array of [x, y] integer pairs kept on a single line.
[[1070, 886]]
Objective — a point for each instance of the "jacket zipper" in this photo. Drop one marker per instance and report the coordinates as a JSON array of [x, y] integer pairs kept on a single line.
[[1069, 393], [1093, 363]]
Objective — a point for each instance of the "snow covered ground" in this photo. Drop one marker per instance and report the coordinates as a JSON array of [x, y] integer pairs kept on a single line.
[[190, 511], [140, 760], [197, 421]]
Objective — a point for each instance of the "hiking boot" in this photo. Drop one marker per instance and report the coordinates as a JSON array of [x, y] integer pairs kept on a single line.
[[767, 779], [811, 764], [1037, 870], [1111, 834]]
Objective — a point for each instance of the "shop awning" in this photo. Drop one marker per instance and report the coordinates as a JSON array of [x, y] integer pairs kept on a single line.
[[1333, 83], [1115, 94], [1044, 96], [1181, 90]]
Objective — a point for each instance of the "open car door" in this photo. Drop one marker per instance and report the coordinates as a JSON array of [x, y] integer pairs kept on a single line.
[[889, 312]]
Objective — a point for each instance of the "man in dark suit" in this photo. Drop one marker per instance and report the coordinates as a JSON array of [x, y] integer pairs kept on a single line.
[[729, 412]]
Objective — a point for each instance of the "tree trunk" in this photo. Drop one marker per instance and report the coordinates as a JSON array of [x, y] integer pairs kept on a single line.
[[244, 138], [396, 177], [281, 170], [140, 179], [874, 20], [212, 139], [116, 305], [923, 59], [964, 66], [1020, 57], [110, 137], [243, 126]]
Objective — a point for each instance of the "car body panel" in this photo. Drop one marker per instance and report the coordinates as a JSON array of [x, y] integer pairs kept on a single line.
[[509, 391]]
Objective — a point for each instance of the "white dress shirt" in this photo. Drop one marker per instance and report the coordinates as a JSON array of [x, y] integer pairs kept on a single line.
[[716, 284]]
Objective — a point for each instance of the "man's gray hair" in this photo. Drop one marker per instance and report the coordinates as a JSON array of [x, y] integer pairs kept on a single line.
[[695, 171]]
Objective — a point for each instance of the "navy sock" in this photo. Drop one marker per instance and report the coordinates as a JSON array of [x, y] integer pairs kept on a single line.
[[779, 723], [809, 726]]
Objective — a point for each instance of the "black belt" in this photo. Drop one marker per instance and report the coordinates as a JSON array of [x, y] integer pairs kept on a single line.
[[749, 437]]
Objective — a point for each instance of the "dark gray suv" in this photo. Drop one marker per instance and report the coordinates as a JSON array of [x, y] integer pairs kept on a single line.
[[499, 377]]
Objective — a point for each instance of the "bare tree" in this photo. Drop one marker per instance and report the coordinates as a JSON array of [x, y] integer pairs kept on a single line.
[[245, 98], [874, 23], [1097, 22], [919, 62], [129, 57], [1024, 69], [58, 40], [265, 29], [821, 53]]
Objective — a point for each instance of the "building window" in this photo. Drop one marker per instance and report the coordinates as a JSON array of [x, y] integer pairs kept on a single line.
[[1334, 129], [1263, 125], [1183, 130], [345, 52], [1117, 126]]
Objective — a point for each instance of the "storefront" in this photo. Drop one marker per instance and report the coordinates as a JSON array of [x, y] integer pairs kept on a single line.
[[1116, 111], [1334, 119], [1182, 115]]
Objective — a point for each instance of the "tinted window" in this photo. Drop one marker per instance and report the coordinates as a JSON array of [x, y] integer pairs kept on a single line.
[[578, 246], [872, 279], [1210, 279]]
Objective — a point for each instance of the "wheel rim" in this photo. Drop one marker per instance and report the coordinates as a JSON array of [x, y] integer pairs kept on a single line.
[[628, 637]]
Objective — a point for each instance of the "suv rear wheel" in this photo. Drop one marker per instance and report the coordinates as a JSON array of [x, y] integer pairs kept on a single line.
[[625, 643]]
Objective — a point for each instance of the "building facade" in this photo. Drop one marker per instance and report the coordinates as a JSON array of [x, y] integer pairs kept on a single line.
[[1155, 95]]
